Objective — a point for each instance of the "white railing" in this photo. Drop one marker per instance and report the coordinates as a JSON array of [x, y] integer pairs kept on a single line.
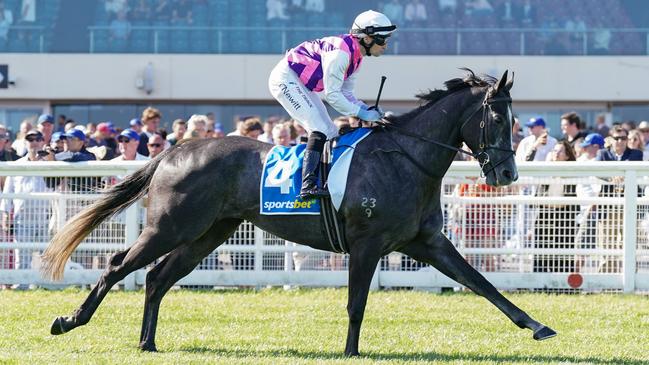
[[527, 236]]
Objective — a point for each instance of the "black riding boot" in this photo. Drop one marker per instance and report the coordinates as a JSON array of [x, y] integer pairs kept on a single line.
[[314, 147]]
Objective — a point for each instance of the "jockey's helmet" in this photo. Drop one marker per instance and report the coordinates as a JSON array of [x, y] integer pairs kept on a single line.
[[372, 23]]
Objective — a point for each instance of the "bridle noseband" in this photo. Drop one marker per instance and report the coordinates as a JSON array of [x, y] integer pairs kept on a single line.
[[482, 156]]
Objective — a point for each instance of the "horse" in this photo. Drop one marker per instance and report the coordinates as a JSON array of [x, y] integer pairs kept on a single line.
[[201, 190]]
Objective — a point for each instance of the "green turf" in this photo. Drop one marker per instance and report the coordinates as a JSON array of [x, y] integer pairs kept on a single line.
[[309, 327]]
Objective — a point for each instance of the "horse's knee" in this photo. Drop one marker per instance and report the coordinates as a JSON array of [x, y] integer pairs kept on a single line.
[[355, 315], [118, 258]]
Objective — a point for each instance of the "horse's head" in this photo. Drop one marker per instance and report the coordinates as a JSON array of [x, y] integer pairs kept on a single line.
[[488, 132]]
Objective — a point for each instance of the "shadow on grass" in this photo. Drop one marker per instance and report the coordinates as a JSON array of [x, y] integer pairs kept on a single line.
[[416, 356]]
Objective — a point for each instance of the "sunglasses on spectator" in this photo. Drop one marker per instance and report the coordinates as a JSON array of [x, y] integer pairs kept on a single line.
[[34, 139], [620, 138], [123, 139], [156, 145]]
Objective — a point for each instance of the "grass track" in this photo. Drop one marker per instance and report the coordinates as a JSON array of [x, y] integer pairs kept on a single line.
[[309, 327]]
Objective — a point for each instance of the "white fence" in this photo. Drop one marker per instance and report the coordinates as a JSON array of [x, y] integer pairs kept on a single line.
[[561, 226]]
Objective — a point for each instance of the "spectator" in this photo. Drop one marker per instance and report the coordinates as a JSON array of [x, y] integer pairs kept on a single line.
[[517, 134], [91, 128], [601, 39], [276, 9], [577, 26], [555, 226], [447, 7], [28, 12], [141, 12], [19, 144], [591, 144], [128, 143], [538, 144], [600, 125], [394, 11], [282, 135], [181, 13], [252, 128], [415, 14], [267, 136], [571, 128], [6, 19], [587, 218], [74, 148], [104, 136], [479, 8], [644, 128], [58, 142], [619, 150], [136, 125], [151, 120], [317, 6], [30, 217], [6, 152], [69, 125], [114, 7], [162, 13], [46, 127], [156, 145], [179, 127], [636, 142], [527, 13], [60, 123], [196, 126], [609, 226], [120, 27]]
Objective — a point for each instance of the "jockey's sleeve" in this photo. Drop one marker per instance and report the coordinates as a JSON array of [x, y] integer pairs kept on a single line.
[[334, 66], [348, 91]]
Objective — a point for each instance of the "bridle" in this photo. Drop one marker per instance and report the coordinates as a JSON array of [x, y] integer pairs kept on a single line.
[[482, 156]]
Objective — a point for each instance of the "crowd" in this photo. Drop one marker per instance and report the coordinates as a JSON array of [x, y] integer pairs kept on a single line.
[[550, 226], [557, 226]]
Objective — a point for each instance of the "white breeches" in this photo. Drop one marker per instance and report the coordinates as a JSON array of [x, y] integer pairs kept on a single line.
[[302, 104]]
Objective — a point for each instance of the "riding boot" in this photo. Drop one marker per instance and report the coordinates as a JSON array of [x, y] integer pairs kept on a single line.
[[310, 167]]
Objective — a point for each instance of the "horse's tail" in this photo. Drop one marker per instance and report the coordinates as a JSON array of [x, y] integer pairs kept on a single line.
[[116, 199]]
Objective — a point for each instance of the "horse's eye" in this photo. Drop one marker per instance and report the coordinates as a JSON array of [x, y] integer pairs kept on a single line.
[[497, 118]]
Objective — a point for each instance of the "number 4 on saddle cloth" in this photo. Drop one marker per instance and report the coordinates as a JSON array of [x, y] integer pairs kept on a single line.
[[282, 176]]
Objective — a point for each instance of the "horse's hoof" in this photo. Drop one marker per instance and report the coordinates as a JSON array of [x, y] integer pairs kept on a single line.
[[148, 347], [58, 326], [544, 333]]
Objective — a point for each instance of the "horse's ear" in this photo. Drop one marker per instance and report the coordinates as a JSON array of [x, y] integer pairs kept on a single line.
[[502, 81], [510, 83]]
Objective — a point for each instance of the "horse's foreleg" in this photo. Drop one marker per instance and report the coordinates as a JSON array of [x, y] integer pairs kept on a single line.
[[441, 253], [147, 248], [175, 266], [362, 263]]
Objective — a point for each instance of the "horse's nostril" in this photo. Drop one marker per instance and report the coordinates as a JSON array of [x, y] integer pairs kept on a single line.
[[508, 174]]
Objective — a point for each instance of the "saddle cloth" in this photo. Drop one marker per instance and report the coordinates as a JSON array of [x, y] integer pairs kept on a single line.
[[282, 176]]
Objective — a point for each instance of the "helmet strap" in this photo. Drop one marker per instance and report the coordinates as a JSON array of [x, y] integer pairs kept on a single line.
[[366, 46]]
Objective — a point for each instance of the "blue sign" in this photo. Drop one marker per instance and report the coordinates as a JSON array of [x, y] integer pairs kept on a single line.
[[281, 181]]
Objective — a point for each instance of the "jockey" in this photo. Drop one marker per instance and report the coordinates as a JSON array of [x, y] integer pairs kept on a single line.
[[327, 65]]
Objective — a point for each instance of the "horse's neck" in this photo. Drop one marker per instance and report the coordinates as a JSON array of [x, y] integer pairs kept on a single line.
[[441, 123]]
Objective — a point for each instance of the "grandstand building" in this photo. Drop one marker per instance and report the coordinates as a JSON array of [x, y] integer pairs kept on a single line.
[[97, 60]]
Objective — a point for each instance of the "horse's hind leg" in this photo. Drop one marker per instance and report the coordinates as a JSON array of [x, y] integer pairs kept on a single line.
[[441, 253], [150, 245], [175, 266]]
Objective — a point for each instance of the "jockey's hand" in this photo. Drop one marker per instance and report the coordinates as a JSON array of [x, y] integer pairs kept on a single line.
[[378, 109], [369, 115]]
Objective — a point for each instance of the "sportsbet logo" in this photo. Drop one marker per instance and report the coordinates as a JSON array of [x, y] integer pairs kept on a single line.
[[296, 204]]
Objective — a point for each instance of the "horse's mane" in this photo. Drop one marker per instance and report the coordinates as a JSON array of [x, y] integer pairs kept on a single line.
[[452, 86]]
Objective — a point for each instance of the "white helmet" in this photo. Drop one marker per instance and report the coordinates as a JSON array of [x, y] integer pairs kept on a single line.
[[372, 23]]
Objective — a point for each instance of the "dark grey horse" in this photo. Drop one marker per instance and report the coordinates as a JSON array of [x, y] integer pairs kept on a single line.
[[201, 190]]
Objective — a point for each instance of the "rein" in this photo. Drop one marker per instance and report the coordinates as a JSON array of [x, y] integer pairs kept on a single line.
[[482, 156]]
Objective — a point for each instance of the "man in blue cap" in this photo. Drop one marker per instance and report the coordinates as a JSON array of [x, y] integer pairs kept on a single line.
[[128, 142], [591, 144], [46, 127], [75, 148], [538, 144]]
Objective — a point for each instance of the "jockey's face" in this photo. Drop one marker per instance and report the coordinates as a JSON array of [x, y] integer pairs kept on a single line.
[[377, 50]]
